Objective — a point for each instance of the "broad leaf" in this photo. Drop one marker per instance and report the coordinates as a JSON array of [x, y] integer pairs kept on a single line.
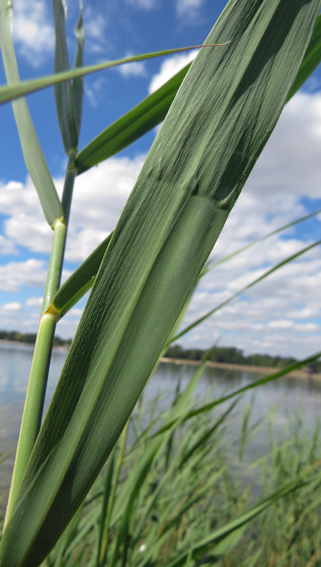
[[83, 278], [311, 59], [153, 109], [208, 145]]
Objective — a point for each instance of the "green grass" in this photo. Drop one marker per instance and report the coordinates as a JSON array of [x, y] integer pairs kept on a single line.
[[196, 482], [229, 101]]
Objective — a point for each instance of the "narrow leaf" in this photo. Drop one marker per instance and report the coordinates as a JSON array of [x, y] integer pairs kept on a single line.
[[261, 239], [145, 116], [63, 91], [265, 380], [80, 281], [221, 534], [33, 85], [78, 84], [153, 109], [32, 152], [208, 145], [83, 278], [245, 288]]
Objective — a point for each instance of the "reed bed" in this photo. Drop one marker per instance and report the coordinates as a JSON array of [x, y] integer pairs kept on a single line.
[[154, 505]]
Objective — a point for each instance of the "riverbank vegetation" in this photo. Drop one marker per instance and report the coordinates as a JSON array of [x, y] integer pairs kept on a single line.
[[30, 338], [160, 501], [167, 490], [230, 355]]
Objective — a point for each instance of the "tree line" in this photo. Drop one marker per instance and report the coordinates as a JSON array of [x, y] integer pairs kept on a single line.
[[29, 338], [233, 355]]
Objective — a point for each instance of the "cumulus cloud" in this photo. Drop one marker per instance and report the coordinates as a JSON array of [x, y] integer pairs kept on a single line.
[[189, 9], [15, 306], [34, 302], [143, 4], [31, 273], [169, 68], [99, 197], [135, 69], [94, 89], [281, 315], [95, 31], [7, 246], [33, 31]]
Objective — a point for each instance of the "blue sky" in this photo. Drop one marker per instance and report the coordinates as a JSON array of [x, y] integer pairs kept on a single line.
[[280, 316]]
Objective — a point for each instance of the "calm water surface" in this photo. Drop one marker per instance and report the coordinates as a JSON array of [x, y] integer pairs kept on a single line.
[[277, 403]]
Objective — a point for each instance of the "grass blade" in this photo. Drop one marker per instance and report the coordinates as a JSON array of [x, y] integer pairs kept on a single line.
[[245, 288], [220, 535], [261, 239], [33, 85], [32, 152], [63, 91], [134, 124], [7, 455], [270, 378], [173, 218], [78, 84], [79, 282]]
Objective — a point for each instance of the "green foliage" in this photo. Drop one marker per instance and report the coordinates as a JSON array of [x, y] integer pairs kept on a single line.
[[184, 500], [228, 355], [144, 275], [29, 338]]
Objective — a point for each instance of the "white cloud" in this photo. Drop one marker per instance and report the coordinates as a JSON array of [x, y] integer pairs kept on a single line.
[[189, 9], [99, 198], [281, 315], [169, 68], [16, 274], [34, 302], [94, 89], [7, 246], [143, 4], [32, 30], [15, 306], [95, 31], [135, 69], [31, 273]]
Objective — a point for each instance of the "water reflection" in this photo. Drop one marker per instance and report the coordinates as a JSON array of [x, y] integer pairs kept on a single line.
[[277, 401]]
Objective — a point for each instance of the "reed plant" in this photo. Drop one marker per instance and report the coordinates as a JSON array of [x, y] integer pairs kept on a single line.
[[255, 58]]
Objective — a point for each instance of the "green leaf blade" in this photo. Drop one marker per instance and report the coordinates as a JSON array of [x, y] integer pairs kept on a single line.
[[137, 122], [63, 91], [32, 152], [80, 281], [173, 218], [27, 87], [78, 84], [311, 59]]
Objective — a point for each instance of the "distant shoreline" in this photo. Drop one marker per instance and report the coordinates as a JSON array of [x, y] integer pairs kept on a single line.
[[260, 369], [223, 365], [20, 343]]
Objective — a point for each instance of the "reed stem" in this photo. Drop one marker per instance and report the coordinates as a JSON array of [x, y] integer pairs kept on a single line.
[[34, 403]]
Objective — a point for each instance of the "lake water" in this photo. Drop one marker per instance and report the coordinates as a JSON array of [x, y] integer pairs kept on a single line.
[[277, 402]]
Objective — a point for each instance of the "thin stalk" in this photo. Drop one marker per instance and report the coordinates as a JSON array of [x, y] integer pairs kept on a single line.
[[104, 542], [33, 408]]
